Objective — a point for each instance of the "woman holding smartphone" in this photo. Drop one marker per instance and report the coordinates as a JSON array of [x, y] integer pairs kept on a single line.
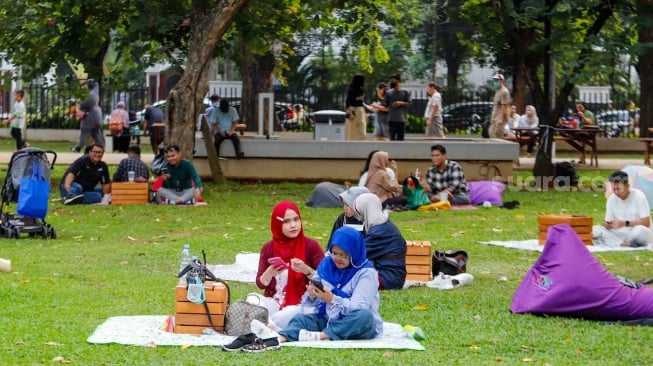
[[286, 263], [344, 294]]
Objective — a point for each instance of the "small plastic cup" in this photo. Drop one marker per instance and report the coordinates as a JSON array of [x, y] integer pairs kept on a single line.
[[131, 175], [444, 196]]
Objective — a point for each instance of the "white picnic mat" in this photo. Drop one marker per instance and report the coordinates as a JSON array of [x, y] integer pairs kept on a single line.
[[244, 270], [533, 244], [148, 331]]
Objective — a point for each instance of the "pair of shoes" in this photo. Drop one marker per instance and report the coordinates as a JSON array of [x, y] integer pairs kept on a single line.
[[240, 342], [510, 205], [72, 200], [308, 336], [262, 345], [240, 155]]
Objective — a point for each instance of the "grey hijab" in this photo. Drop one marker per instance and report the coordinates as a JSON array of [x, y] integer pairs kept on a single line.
[[368, 207]]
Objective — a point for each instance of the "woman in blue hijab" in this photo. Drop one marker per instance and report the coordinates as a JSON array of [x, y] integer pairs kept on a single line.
[[348, 305]]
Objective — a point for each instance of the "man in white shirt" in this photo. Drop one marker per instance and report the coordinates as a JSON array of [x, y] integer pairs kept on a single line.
[[627, 217], [433, 112]]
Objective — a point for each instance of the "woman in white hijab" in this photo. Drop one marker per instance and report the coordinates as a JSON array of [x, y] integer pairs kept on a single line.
[[386, 247], [530, 120]]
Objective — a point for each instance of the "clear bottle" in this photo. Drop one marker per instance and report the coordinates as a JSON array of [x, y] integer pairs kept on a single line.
[[186, 259]]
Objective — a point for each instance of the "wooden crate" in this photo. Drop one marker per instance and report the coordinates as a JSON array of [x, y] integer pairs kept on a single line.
[[129, 193], [191, 318], [418, 260], [582, 225]]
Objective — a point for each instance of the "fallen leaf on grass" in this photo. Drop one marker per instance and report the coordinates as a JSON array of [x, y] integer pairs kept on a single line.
[[388, 354], [527, 359], [477, 317], [150, 344], [458, 233], [421, 307], [51, 343], [249, 229], [499, 359], [186, 346], [122, 263], [497, 230], [20, 343], [78, 237], [578, 350], [473, 347], [60, 359], [132, 239], [525, 347], [26, 281]]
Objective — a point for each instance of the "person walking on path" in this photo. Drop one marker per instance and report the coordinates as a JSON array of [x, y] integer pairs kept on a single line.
[[91, 124], [500, 108], [17, 120]]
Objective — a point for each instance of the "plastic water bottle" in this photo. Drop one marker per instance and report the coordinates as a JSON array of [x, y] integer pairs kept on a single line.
[[186, 258]]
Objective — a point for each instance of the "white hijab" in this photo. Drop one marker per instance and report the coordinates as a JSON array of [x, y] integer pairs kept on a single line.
[[368, 207]]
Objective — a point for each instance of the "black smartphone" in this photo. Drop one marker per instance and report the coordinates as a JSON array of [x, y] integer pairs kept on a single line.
[[317, 284], [164, 170]]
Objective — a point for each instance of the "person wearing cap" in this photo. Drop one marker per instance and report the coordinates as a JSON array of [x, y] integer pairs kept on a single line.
[[132, 163], [433, 112], [397, 101], [348, 218], [500, 108]]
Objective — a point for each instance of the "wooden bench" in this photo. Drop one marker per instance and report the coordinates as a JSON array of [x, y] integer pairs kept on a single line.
[[648, 146], [129, 193], [579, 138]]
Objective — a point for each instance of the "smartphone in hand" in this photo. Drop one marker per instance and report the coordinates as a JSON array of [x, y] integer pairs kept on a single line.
[[278, 263], [317, 284]]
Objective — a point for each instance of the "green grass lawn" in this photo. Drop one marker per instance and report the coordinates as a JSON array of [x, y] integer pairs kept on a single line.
[[122, 260]]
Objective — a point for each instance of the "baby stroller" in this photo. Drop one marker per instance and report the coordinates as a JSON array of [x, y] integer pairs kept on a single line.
[[20, 166]]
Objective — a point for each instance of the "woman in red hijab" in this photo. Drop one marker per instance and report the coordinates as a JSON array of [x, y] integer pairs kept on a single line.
[[284, 280]]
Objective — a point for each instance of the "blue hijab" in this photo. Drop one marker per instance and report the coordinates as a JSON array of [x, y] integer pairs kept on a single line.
[[351, 241]]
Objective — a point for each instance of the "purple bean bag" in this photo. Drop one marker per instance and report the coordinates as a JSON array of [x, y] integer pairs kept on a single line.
[[567, 280], [486, 190]]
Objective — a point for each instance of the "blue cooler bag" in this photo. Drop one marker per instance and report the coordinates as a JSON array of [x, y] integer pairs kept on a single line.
[[33, 194]]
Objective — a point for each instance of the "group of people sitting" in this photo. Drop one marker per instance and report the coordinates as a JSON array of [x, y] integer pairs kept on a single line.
[[87, 180], [310, 296], [444, 177]]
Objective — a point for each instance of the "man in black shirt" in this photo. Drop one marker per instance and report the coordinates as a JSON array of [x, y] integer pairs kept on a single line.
[[80, 182], [154, 125]]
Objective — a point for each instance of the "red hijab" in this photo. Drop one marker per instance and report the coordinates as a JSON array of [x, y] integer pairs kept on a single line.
[[288, 248]]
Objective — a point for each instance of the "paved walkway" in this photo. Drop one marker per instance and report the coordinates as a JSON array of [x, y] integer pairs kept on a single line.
[[524, 162]]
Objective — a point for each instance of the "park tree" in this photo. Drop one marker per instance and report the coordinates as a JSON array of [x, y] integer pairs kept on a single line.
[[644, 50], [545, 44]]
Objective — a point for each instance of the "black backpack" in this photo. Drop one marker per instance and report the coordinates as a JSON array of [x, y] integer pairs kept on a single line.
[[566, 175], [450, 262]]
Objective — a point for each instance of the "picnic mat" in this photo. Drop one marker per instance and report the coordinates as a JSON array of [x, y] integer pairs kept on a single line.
[[533, 244], [147, 331]]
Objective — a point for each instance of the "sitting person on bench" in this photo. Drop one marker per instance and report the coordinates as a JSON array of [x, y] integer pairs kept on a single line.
[[530, 120], [445, 176], [80, 182], [132, 163], [223, 121], [181, 183], [627, 216]]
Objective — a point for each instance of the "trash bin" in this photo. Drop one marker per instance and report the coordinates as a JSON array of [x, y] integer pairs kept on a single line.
[[329, 125]]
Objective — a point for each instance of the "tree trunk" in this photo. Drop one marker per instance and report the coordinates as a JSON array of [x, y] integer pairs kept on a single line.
[[645, 71], [257, 78], [184, 105]]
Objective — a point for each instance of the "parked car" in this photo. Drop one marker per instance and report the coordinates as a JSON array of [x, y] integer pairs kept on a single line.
[[615, 122], [468, 116]]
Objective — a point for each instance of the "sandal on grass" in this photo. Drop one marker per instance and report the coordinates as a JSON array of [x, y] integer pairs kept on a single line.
[[262, 345]]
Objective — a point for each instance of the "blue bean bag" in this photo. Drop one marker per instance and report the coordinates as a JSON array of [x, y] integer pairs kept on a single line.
[[567, 280]]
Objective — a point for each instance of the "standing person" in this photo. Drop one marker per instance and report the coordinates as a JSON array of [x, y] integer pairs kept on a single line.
[[154, 125], [627, 216], [119, 127], [397, 101], [223, 121], [283, 286], [17, 120], [445, 176], [386, 247], [87, 179], [433, 112], [181, 183], [381, 128], [132, 163], [500, 108], [91, 124], [357, 116]]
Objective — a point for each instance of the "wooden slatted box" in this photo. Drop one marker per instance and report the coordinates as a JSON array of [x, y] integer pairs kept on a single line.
[[418, 260], [191, 318], [129, 193], [582, 225]]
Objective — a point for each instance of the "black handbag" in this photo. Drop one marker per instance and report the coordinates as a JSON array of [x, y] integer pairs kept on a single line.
[[450, 262]]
